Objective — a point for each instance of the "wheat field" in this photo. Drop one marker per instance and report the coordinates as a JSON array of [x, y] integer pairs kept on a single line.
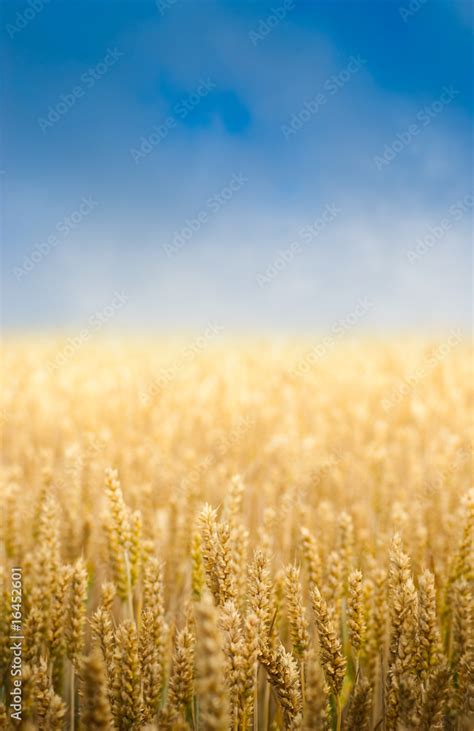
[[237, 534]]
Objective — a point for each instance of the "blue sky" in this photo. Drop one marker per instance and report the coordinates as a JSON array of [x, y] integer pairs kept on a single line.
[[265, 165]]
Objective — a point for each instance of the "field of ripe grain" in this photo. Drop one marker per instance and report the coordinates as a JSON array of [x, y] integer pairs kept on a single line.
[[237, 535]]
